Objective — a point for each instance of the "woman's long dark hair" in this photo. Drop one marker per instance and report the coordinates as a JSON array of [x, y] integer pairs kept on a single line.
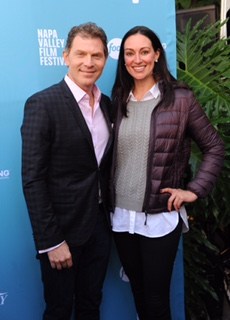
[[124, 82]]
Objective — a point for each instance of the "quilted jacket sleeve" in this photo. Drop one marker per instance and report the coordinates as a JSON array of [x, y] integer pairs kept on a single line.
[[210, 144]]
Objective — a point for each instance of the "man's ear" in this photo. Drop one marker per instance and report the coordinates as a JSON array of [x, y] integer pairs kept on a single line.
[[65, 55]]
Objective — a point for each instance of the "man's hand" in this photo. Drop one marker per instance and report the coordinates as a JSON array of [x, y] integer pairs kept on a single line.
[[178, 197], [60, 257]]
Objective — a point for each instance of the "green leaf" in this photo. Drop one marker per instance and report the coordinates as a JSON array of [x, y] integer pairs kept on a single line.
[[203, 64]]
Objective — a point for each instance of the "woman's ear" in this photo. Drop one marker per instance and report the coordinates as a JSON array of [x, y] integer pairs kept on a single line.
[[157, 55]]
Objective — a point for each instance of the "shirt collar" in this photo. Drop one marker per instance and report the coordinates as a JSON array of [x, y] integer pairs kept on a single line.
[[154, 92], [78, 93]]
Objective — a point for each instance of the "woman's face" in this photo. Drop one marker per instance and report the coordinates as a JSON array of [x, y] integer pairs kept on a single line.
[[140, 57]]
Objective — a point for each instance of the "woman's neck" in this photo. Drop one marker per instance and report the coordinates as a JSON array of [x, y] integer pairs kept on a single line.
[[141, 88]]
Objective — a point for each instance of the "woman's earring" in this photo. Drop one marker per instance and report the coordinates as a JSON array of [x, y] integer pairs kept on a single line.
[[156, 60]]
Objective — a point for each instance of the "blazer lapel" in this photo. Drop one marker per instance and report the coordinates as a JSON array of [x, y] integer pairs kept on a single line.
[[104, 108], [77, 114]]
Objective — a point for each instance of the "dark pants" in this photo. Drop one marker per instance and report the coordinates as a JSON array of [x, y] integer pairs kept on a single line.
[[81, 285], [148, 263]]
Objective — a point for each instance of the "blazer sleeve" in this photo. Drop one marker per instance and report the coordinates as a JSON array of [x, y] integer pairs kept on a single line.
[[36, 134], [212, 147]]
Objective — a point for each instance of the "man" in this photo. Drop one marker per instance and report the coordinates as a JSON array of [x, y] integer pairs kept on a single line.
[[66, 153]]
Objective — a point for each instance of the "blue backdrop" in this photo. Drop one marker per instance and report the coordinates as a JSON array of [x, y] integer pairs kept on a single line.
[[32, 36]]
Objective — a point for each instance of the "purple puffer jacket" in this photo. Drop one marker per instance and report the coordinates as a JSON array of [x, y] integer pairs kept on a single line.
[[172, 130]]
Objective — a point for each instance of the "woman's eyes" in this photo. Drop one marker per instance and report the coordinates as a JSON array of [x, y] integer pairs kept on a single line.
[[142, 53], [129, 54]]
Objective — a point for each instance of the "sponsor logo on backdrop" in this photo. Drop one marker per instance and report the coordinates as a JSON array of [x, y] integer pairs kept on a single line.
[[123, 275], [50, 48], [4, 174], [3, 296], [114, 48]]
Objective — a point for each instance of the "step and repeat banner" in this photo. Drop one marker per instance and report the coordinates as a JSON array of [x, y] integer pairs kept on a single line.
[[32, 37]]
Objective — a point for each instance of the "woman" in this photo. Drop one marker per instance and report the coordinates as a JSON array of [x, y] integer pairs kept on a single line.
[[156, 119]]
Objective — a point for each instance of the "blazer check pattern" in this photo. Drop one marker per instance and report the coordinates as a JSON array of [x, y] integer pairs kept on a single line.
[[60, 173]]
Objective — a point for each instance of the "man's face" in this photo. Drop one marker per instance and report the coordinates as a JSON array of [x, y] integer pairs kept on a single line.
[[86, 61]]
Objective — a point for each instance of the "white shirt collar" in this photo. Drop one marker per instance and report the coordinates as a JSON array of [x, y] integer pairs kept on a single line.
[[154, 92], [78, 93]]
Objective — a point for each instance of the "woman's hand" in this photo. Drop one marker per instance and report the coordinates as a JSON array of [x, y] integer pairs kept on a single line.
[[178, 197]]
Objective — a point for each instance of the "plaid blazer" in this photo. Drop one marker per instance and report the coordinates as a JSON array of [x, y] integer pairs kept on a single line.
[[60, 173]]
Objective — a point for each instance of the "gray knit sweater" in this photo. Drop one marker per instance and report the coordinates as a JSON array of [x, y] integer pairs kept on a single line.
[[132, 153]]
